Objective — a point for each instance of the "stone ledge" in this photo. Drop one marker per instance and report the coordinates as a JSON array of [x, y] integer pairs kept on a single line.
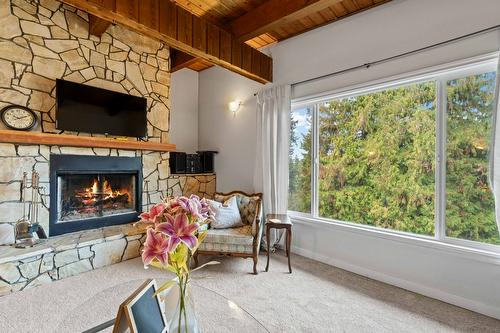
[[67, 255]]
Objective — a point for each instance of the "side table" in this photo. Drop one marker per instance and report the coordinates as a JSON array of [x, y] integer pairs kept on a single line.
[[279, 221]]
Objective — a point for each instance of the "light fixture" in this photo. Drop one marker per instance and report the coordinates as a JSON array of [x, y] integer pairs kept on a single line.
[[234, 106]]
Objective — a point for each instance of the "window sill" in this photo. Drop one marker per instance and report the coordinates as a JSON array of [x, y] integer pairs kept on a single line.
[[490, 257]]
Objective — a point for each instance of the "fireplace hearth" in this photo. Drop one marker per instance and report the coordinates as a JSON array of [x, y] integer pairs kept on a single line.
[[89, 192]]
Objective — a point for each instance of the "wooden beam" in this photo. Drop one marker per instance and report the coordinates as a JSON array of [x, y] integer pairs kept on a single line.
[[180, 60], [178, 28], [272, 14], [97, 26]]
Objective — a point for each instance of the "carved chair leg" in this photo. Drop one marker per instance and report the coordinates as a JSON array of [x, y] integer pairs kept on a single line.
[[255, 260]]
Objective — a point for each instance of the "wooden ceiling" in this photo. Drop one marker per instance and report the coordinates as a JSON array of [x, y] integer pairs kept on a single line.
[[260, 23]]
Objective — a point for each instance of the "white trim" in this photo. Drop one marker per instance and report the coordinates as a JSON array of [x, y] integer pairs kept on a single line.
[[441, 134], [447, 71], [315, 161], [402, 283], [481, 255]]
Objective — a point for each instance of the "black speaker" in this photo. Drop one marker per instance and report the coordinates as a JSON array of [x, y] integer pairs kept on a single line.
[[207, 160], [193, 164], [177, 162]]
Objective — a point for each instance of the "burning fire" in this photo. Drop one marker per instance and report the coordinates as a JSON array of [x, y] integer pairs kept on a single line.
[[95, 192]]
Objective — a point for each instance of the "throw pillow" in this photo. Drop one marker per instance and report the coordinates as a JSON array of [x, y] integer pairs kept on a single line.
[[227, 215]]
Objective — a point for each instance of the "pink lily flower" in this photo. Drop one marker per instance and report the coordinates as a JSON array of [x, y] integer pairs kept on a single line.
[[154, 213], [156, 246], [179, 230]]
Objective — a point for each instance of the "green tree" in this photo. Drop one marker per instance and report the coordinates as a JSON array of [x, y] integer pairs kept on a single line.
[[377, 160]]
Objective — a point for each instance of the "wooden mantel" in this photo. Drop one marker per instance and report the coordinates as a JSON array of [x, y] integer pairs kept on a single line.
[[8, 136]]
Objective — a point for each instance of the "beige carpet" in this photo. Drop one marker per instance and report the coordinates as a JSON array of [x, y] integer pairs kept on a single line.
[[315, 298]]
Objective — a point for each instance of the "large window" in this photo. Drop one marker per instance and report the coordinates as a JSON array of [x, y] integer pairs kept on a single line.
[[376, 158], [299, 181], [410, 157], [470, 206]]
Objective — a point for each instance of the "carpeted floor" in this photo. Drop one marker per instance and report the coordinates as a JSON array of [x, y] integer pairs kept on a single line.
[[315, 298]]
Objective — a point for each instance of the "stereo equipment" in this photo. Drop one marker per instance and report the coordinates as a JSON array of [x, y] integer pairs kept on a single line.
[[207, 160], [177, 162], [193, 164]]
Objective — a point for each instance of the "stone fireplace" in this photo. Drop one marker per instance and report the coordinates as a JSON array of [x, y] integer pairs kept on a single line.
[[45, 41], [89, 192]]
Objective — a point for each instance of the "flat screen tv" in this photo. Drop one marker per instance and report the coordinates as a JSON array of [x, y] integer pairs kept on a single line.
[[83, 108]]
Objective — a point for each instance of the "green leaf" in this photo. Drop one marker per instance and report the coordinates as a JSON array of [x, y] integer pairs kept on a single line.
[[165, 286], [210, 263]]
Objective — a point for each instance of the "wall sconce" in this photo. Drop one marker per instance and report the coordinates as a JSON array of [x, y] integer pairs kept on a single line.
[[234, 106]]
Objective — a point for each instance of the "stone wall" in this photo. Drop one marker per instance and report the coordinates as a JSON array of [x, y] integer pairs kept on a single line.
[[43, 40]]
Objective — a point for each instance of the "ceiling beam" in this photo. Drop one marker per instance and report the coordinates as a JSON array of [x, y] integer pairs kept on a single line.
[[97, 26], [180, 60], [272, 14], [178, 28]]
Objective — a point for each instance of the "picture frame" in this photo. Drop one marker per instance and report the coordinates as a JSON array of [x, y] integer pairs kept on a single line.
[[142, 312]]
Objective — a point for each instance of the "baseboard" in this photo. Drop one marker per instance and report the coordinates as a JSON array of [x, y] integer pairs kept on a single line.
[[404, 284]]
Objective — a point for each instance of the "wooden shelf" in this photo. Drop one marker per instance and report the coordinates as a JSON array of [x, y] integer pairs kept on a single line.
[[80, 141]]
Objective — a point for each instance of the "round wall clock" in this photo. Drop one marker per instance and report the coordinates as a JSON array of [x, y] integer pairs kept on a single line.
[[18, 117]]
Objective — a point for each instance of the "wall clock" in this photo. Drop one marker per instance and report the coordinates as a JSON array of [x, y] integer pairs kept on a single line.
[[18, 117]]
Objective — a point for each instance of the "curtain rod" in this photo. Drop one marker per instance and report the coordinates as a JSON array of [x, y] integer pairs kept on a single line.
[[395, 57]]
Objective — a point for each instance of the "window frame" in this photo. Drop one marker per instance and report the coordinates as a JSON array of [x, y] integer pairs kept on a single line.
[[441, 75]]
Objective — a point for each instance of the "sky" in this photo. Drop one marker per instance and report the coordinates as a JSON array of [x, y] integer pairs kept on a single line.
[[303, 125]]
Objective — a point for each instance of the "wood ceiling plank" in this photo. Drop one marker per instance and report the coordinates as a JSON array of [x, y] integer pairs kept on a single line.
[[128, 8], [274, 13], [200, 33], [184, 26], [236, 53], [246, 57], [168, 19], [225, 46], [149, 13], [213, 44]]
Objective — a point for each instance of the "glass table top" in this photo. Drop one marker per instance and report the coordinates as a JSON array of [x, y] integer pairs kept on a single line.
[[215, 313]]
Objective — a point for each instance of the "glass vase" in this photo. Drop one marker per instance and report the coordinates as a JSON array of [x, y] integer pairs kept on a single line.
[[180, 310]]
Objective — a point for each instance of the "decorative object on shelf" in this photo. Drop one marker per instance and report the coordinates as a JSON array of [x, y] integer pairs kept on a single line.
[[279, 221], [234, 106], [27, 226], [173, 236], [18, 117]]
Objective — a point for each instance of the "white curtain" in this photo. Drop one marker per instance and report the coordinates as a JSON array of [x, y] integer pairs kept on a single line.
[[271, 169], [495, 150]]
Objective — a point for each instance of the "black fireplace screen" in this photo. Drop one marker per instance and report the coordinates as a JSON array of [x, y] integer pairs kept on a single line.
[[89, 192], [86, 196]]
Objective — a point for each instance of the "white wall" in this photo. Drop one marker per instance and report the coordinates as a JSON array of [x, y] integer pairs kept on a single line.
[[233, 136], [467, 279], [184, 110]]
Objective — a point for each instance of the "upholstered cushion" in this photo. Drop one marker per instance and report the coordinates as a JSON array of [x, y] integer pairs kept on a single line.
[[246, 204], [226, 215], [232, 240]]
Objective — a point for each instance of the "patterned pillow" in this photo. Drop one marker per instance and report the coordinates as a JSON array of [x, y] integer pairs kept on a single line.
[[246, 205], [227, 215]]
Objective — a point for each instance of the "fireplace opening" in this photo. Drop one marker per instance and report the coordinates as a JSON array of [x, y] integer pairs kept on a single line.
[[89, 192], [95, 195]]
